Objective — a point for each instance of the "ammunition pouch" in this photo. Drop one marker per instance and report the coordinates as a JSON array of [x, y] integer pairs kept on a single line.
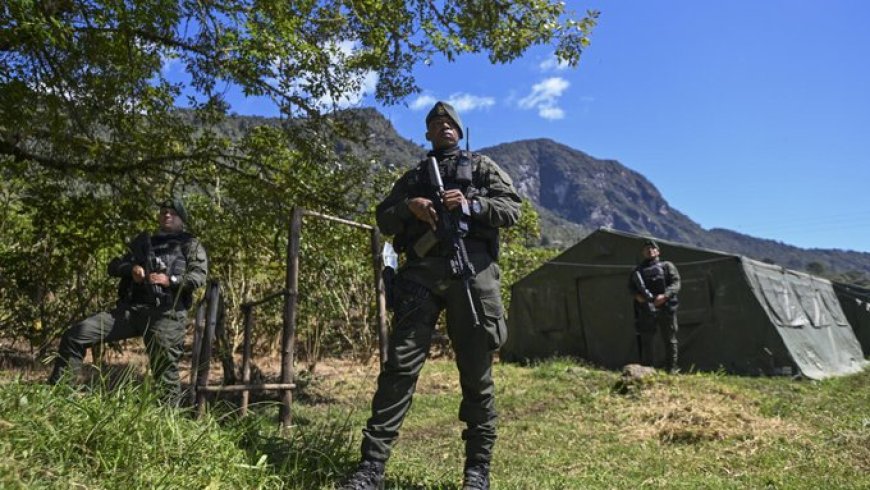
[[494, 322]]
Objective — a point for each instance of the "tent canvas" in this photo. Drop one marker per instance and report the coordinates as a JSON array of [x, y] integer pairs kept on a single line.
[[736, 314], [855, 301]]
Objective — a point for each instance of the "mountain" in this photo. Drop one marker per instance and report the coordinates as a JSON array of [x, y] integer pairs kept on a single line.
[[589, 193], [576, 194]]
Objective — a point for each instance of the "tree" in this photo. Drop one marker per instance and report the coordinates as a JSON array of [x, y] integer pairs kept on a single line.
[[519, 254], [816, 268], [91, 136], [82, 91]]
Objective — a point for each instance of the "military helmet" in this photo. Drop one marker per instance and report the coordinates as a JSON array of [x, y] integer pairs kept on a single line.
[[649, 242], [442, 108], [176, 204]]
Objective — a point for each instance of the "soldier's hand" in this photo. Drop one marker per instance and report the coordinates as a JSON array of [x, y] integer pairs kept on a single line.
[[660, 300], [423, 210], [158, 278], [452, 199], [640, 298], [138, 274]]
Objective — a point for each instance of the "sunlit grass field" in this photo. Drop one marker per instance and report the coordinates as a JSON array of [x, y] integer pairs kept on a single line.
[[563, 425]]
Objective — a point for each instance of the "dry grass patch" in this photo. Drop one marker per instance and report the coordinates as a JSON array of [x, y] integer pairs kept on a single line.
[[435, 382], [347, 379], [665, 412]]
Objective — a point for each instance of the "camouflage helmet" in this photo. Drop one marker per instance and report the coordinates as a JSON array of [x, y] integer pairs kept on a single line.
[[444, 109]]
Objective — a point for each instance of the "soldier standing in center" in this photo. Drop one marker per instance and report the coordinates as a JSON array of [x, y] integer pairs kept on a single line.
[[424, 287]]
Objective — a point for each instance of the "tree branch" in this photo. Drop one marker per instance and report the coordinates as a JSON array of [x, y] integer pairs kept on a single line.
[[149, 36]]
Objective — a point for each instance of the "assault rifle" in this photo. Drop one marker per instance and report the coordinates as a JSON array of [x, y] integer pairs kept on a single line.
[[641, 287], [450, 230]]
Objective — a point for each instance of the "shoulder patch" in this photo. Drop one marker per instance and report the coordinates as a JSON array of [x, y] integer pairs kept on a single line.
[[504, 176], [488, 166]]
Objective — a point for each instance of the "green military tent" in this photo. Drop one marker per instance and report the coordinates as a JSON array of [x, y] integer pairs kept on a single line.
[[736, 314], [855, 301]]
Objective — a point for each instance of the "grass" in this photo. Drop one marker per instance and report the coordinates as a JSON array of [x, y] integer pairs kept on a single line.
[[562, 426]]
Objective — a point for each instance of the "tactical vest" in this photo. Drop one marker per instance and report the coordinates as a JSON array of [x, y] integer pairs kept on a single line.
[[170, 250], [654, 276], [461, 171]]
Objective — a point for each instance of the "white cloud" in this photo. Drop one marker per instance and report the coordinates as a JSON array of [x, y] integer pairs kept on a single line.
[[169, 65], [467, 102], [551, 113], [552, 63], [170, 61], [545, 97], [367, 85], [423, 102], [460, 101]]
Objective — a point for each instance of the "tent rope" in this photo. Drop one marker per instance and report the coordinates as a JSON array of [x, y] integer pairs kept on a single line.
[[631, 267]]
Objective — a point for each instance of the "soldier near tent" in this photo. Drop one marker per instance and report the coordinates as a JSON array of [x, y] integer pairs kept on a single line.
[[478, 191], [159, 274], [655, 284]]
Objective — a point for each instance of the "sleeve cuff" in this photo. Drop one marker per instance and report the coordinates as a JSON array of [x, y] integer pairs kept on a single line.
[[124, 269], [403, 211], [484, 209]]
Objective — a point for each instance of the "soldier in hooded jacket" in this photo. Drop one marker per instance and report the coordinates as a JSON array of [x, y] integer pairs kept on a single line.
[[158, 276], [424, 287], [655, 284]]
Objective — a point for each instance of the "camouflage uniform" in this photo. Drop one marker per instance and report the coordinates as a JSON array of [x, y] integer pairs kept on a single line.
[[424, 286], [156, 313], [659, 277]]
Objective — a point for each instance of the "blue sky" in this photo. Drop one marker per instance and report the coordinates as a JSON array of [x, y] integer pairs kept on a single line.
[[752, 115]]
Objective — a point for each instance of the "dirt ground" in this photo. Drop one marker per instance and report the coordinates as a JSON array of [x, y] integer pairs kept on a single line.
[[17, 362]]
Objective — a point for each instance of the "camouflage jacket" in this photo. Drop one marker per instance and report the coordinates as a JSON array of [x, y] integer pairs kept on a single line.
[[178, 254], [490, 186]]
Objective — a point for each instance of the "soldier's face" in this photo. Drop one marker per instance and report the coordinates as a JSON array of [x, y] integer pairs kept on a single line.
[[650, 252], [169, 221], [442, 132]]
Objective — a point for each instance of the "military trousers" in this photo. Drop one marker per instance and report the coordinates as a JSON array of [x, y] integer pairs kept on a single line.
[[665, 322], [422, 290], [162, 330]]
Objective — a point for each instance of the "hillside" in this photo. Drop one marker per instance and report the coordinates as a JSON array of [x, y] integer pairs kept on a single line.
[[592, 193], [576, 193]]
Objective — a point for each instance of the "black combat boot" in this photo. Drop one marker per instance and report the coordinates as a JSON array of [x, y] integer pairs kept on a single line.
[[369, 475], [476, 476]]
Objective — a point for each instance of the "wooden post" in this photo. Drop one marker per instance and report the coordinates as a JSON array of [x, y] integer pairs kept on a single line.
[[380, 299], [198, 326], [212, 300], [248, 312], [292, 295], [224, 342]]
